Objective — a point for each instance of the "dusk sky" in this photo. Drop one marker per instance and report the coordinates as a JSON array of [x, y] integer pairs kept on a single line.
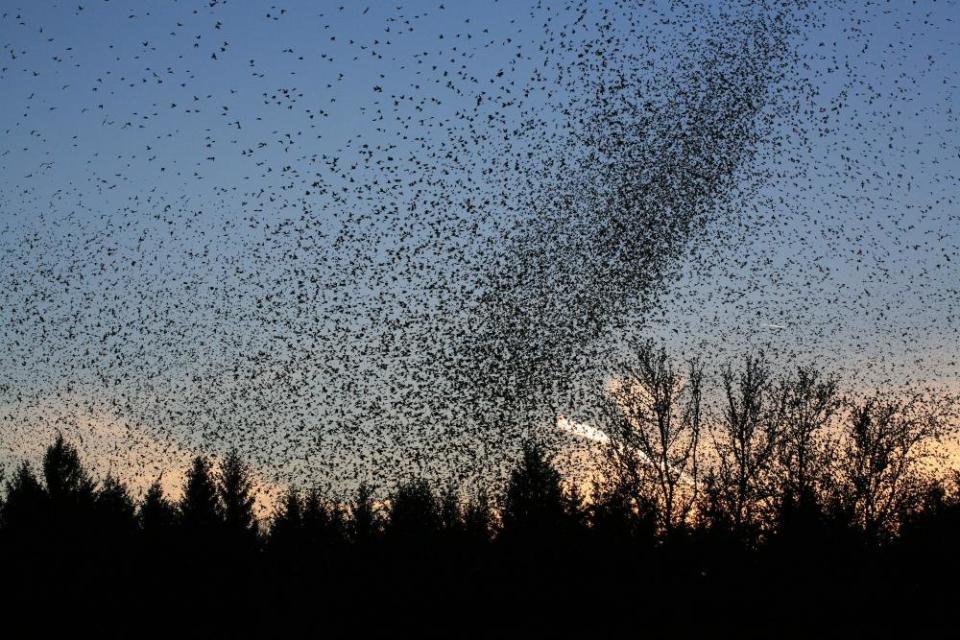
[[261, 225]]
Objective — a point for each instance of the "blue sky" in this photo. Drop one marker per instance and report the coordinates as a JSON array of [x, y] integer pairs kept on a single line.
[[152, 195]]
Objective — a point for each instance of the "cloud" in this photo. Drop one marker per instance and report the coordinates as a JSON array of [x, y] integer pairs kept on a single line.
[[582, 430]]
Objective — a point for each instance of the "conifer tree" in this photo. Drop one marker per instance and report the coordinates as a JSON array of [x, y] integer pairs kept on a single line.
[[68, 484], [235, 491], [116, 512], [534, 503], [286, 531], [364, 524], [156, 515], [200, 508], [25, 505]]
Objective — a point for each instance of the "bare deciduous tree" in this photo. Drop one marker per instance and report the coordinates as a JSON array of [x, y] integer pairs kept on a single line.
[[748, 432], [810, 403], [885, 443], [653, 421]]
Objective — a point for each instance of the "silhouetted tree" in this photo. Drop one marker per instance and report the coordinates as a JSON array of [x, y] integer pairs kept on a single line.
[[746, 441], [156, 515], [235, 491], [324, 524], [286, 531], [69, 487], [930, 525], [451, 518], [653, 421], [364, 521], [884, 445], [713, 509], [414, 512], [26, 504], [805, 447], [478, 519], [622, 514], [200, 508], [112, 545], [413, 555], [534, 504], [115, 509]]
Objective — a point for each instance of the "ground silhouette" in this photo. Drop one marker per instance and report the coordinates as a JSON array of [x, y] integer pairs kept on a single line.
[[809, 515]]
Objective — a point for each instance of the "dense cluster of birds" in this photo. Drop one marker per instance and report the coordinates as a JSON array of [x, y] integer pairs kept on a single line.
[[367, 242]]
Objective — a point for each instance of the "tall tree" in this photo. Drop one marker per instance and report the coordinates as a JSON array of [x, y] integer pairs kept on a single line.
[[323, 522], [414, 512], [884, 445], [26, 502], [235, 489], [200, 507], [534, 504], [286, 528], [156, 514], [71, 497], [68, 484], [364, 520], [621, 512], [478, 519], [810, 404], [451, 514], [746, 440], [115, 509], [653, 421]]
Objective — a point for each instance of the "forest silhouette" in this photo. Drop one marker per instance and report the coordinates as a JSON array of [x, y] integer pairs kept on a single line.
[[786, 511]]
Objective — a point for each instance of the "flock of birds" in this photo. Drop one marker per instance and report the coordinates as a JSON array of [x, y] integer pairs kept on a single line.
[[361, 243]]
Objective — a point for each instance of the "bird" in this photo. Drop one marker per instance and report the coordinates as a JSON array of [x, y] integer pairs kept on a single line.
[[404, 246]]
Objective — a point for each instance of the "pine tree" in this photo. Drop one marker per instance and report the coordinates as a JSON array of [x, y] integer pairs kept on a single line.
[[200, 507], [25, 506], [157, 515], [286, 532], [364, 524], [116, 513], [534, 503], [235, 491], [478, 519], [414, 512], [68, 484], [323, 523], [71, 497]]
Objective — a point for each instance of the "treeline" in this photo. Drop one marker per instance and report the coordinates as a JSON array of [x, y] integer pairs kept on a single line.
[[782, 510]]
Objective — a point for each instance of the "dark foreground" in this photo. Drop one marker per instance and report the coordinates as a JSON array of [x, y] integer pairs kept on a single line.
[[80, 557]]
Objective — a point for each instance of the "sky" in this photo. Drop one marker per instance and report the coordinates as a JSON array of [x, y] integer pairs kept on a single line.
[[257, 224]]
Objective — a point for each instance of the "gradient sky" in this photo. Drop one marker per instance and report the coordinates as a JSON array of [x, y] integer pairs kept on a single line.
[[139, 175]]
